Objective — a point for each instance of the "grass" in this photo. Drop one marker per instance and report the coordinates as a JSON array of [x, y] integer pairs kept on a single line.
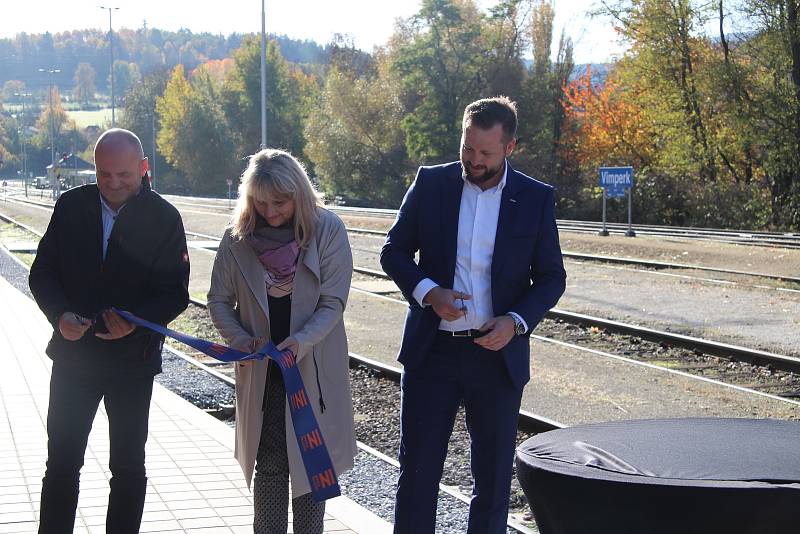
[[26, 257], [10, 232], [100, 117]]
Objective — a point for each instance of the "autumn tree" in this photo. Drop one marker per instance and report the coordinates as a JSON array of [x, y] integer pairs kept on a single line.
[[663, 34]]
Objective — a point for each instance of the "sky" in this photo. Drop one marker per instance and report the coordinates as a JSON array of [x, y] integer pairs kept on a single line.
[[368, 22]]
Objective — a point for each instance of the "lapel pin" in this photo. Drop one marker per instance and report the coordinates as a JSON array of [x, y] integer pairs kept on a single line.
[[512, 199]]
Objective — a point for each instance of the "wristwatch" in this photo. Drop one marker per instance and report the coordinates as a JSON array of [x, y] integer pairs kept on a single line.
[[519, 326]]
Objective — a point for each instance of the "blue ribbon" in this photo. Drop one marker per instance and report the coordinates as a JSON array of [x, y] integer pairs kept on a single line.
[[319, 468]]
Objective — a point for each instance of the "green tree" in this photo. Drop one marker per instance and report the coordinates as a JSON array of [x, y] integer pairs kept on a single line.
[[540, 111], [355, 140], [439, 54], [771, 98], [194, 135], [290, 94], [141, 118], [84, 83], [9, 88], [125, 76]]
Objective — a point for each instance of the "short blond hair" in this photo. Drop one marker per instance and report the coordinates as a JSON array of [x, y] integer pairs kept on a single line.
[[276, 174]]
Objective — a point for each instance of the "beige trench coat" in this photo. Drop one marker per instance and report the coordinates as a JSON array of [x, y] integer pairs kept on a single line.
[[237, 303]]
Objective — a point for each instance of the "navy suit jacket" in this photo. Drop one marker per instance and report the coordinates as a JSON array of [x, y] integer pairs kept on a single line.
[[528, 274]]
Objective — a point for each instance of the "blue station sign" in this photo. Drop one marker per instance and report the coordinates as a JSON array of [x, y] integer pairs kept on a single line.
[[616, 180]]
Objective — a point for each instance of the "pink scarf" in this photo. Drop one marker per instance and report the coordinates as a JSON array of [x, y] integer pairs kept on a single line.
[[277, 251]]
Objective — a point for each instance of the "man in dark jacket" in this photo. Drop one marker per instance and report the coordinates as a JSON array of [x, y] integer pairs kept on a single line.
[[113, 244]]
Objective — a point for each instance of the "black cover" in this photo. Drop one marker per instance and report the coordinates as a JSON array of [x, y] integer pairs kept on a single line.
[[665, 476]]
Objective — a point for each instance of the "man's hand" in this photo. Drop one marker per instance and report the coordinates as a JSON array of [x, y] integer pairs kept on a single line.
[[447, 303], [291, 344], [116, 325], [72, 326], [501, 331]]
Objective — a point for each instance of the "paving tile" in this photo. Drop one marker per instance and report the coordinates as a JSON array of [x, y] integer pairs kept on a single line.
[[238, 520], [18, 528], [186, 504], [158, 526], [195, 513], [202, 522]]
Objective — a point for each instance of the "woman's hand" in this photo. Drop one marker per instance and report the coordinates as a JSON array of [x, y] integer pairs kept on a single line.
[[256, 343], [291, 344]]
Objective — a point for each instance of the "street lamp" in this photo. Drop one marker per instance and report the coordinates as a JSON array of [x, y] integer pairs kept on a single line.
[[24, 151], [111, 48], [263, 77], [51, 126]]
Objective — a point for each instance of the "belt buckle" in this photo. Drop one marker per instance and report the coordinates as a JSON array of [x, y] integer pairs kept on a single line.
[[462, 333]]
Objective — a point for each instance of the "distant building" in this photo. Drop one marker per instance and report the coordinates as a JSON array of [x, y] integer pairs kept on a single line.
[[71, 171]]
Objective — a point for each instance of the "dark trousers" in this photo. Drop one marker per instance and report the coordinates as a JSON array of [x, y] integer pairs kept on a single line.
[[271, 482], [74, 398], [456, 371]]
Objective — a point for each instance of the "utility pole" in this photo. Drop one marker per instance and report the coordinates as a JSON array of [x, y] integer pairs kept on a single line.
[[111, 48], [153, 156], [51, 122], [24, 149], [263, 76]]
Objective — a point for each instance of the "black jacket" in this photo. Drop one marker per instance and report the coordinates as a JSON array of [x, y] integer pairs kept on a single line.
[[146, 272]]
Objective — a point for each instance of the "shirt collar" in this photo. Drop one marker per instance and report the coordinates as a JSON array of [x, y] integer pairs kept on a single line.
[[496, 189], [108, 209]]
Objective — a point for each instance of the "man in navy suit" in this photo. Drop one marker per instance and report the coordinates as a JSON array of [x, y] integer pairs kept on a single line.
[[489, 268]]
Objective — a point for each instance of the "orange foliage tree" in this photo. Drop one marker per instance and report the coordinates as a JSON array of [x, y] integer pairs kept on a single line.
[[603, 127]]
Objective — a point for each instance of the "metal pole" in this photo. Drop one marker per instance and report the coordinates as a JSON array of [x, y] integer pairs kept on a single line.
[[263, 76], [50, 118], [630, 232], [50, 122], [24, 166], [153, 154], [24, 148], [50, 115], [111, 49], [604, 232]]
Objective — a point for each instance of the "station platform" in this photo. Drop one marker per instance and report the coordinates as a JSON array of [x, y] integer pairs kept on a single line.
[[194, 483]]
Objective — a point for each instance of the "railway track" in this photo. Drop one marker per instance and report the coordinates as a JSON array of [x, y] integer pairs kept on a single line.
[[740, 237], [659, 265], [578, 256], [697, 345]]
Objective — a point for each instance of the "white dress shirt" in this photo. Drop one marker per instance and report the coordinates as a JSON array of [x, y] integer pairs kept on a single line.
[[477, 228], [109, 218]]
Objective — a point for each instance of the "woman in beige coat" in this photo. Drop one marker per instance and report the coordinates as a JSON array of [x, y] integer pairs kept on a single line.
[[282, 273]]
